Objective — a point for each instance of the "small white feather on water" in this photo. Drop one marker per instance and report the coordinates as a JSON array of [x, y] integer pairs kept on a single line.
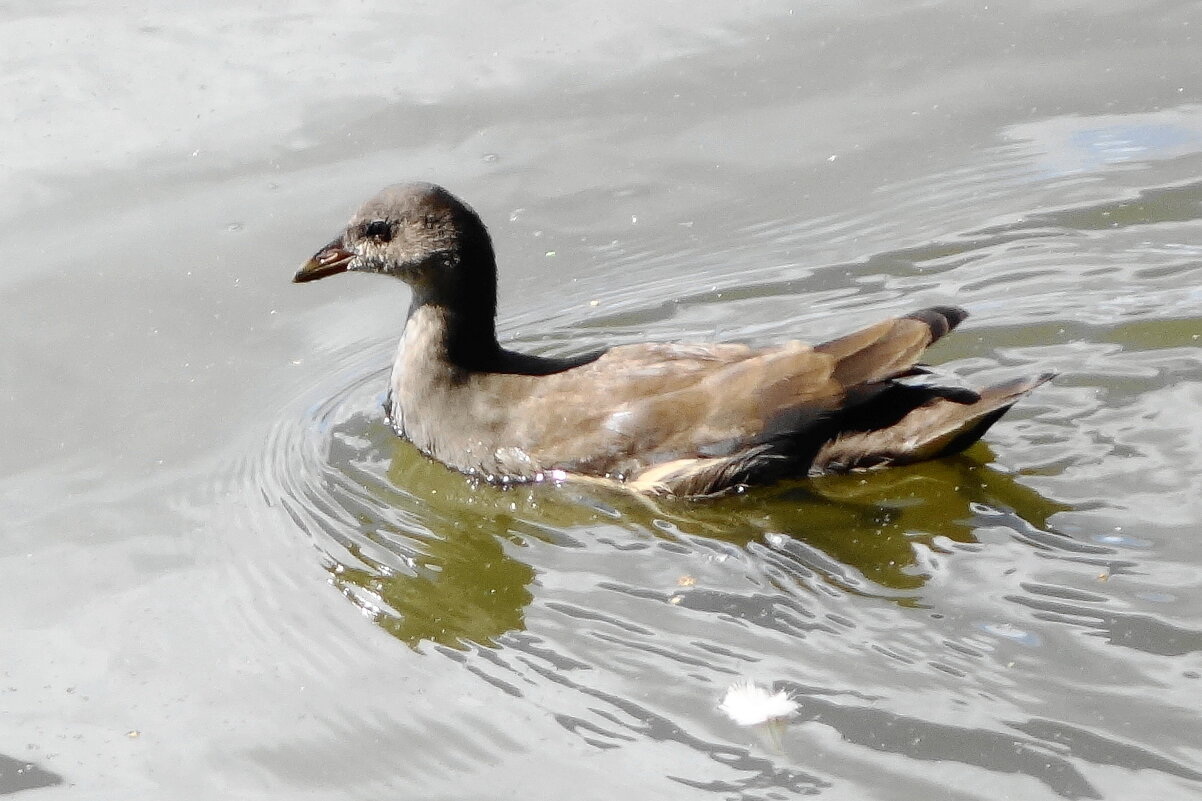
[[748, 704]]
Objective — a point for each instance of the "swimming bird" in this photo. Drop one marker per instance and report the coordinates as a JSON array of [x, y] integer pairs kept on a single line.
[[661, 418]]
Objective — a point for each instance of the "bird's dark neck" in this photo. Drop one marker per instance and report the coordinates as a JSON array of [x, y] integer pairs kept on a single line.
[[458, 323], [455, 318], [465, 338], [466, 341]]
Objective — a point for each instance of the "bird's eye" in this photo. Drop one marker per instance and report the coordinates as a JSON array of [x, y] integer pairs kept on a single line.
[[379, 230]]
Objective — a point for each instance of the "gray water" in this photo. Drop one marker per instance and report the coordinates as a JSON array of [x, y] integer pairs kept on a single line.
[[224, 578]]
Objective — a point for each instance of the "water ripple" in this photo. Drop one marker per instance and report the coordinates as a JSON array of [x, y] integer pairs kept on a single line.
[[917, 612]]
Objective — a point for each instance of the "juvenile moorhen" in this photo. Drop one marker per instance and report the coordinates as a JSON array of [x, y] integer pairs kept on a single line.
[[672, 419]]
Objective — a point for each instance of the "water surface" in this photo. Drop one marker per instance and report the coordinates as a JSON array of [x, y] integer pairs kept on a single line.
[[224, 576]]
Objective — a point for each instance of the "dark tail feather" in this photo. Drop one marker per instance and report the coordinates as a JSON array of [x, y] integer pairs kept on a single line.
[[937, 428], [940, 319], [995, 402]]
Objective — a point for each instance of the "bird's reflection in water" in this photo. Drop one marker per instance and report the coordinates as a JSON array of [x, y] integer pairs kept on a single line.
[[437, 557]]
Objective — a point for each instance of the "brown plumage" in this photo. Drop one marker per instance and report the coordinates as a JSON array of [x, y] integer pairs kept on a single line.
[[677, 419]]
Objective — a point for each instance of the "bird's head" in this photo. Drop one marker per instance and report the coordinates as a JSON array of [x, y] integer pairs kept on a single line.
[[417, 232]]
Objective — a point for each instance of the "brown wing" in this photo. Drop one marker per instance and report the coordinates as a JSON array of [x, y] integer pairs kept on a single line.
[[891, 347], [639, 406], [633, 418]]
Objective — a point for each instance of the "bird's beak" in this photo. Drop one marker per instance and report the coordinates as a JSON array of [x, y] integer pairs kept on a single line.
[[333, 258]]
